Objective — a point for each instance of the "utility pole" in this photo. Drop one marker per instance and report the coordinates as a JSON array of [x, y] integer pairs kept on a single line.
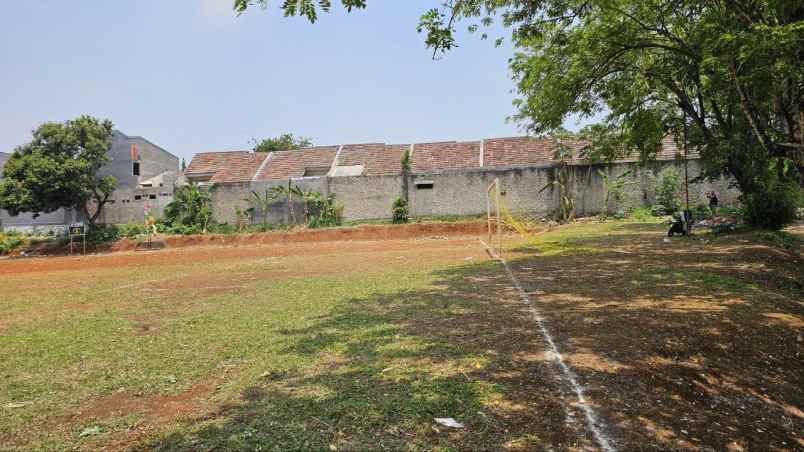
[[686, 174], [687, 212]]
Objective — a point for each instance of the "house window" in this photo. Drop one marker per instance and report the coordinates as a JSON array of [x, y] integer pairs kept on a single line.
[[111, 201], [164, 194], [136, 169], [137, 197], [424, 185], [152, 196]]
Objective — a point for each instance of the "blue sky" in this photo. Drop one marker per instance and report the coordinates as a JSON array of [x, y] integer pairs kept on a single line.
[[192, 77]]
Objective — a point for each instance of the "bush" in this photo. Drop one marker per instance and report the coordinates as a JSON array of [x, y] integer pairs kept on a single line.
[[10, 241], [399, 211], [131, 230], [668, 191], [642, 214], [190, 210], [222, 228], [658, 210], [773, 204], [104, 233], [701, 212], [322, 211]]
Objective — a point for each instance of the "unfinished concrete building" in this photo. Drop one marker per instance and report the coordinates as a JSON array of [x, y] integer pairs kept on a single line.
[[146, 176]]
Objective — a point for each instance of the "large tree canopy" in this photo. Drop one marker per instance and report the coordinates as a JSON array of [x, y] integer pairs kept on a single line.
[[60, 168], [731, 72]]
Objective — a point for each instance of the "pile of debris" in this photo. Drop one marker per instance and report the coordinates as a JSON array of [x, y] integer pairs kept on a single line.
[[719, 224]]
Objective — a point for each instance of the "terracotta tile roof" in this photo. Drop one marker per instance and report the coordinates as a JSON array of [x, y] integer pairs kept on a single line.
[[289, 164], [517, 151], [378, 159], [446, 155], [223, 167], [670, 149]]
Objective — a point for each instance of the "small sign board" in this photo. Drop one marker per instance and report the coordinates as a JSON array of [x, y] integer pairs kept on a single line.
[[78, 229]]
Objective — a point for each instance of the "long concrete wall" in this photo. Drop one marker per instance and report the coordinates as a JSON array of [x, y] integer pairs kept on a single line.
[[527, 190]]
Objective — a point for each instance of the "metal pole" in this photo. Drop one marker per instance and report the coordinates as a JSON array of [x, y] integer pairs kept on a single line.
[[499, 214], [488, 213], [686, 178]]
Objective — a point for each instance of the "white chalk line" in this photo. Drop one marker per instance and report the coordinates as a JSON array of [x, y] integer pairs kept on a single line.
[[592, 420]]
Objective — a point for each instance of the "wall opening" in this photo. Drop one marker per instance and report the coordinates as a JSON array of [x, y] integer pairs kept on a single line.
[[316, 171], [135, 169], [424, 185]]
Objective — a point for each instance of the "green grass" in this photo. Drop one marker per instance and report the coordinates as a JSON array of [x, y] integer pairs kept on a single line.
[[315, 351], [350, 350]]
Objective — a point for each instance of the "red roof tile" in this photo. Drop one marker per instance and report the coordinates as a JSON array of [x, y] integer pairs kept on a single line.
[[290, 164], [445, 155], [223, 167], [378, 159], [517, 151]]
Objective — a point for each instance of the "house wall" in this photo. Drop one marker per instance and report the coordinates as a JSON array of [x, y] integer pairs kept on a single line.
[[366, 198], [153, 160], [527, 190], [123, 207]]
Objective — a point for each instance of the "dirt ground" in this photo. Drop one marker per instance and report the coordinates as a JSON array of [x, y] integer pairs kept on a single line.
[[691, 344]]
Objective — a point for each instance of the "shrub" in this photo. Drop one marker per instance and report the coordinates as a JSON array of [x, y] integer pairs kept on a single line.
[[701, 212], [131, 230], [104, 233], [658, 210], [399, 211], [668, 190], [642, 214], [222, 228], [773, 204], [322, 211], [190, 210], [10, 241]]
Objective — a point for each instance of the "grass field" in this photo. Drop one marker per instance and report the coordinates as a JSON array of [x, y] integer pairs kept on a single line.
[[691, 344]]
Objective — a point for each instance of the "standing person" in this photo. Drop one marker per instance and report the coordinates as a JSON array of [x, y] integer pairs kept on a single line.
[[713, 201]]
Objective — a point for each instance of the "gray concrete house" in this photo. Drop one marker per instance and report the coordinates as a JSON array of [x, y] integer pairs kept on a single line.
[[446, 178], [146, 175]]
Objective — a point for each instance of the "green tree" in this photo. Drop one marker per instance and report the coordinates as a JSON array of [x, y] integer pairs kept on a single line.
[[405, 163], [284, 142], [668, 190], [727, 75], [190, 211], [60, 168]]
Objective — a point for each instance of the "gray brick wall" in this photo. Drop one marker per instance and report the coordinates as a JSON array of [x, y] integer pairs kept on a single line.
[[463, 192]]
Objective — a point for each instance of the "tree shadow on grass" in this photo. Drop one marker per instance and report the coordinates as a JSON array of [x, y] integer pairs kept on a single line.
[[678, 346], [382, 368]]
